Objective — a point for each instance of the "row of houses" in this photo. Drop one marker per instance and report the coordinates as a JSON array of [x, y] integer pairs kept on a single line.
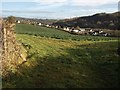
[[73, 30], [85, 31], [28, 22], [32, 23], [98, 33]]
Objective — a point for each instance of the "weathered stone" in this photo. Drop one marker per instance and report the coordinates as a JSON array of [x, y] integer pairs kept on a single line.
[[11, 53]]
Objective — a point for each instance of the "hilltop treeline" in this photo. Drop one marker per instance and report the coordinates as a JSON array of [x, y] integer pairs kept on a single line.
[[100, 20]]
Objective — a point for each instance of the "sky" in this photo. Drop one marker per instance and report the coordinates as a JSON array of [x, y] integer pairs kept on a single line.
[[56, 9]]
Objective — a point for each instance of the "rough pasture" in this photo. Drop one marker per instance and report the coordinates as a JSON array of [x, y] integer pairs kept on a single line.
[[64, 62]]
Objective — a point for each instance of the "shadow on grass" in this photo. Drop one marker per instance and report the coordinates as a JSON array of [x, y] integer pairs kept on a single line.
[[86, 66]]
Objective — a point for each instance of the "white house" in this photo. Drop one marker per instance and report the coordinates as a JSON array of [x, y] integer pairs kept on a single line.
[[66, 29], [100, 31], [91, 30], [47, 25], [76, 31], [95, 33], [18, 21], [39, 24], [81, 29], [56, 26]]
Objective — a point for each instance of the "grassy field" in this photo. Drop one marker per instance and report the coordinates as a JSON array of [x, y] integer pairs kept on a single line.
[[64, 62], [54, 33]]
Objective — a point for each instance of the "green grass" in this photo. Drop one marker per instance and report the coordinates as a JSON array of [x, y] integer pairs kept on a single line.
[[54, 33], [65, 63]]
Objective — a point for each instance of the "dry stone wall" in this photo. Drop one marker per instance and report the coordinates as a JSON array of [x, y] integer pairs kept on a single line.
[[1, 41], [11, 51]]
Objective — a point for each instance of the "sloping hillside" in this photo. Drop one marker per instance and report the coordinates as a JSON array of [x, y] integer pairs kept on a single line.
[[100, 20], [44, 21]]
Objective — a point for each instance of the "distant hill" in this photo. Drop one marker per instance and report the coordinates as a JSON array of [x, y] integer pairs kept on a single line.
[[44, 21], [100, 20]]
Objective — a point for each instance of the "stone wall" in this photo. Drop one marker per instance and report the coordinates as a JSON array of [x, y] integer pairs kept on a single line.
[[1, 46], [12, 52]]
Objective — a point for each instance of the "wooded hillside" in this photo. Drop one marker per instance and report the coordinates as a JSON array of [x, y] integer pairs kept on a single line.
[[100, 20]]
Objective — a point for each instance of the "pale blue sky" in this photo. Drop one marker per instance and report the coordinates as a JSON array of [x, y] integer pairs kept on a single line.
[[55, 9]]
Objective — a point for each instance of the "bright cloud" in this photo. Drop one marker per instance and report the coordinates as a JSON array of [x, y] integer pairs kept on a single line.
[[38, 1], [50, 1], [93, 2], [73, 2], [17, 0]]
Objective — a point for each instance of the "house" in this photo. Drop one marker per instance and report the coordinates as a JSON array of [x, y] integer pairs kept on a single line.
[[82, 29], [39, 24], [91, 30], [75, 31], [56, 26], [18, 21], [104, 34], [66, 29], [100, 31], [47, 25], [95, 33]]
